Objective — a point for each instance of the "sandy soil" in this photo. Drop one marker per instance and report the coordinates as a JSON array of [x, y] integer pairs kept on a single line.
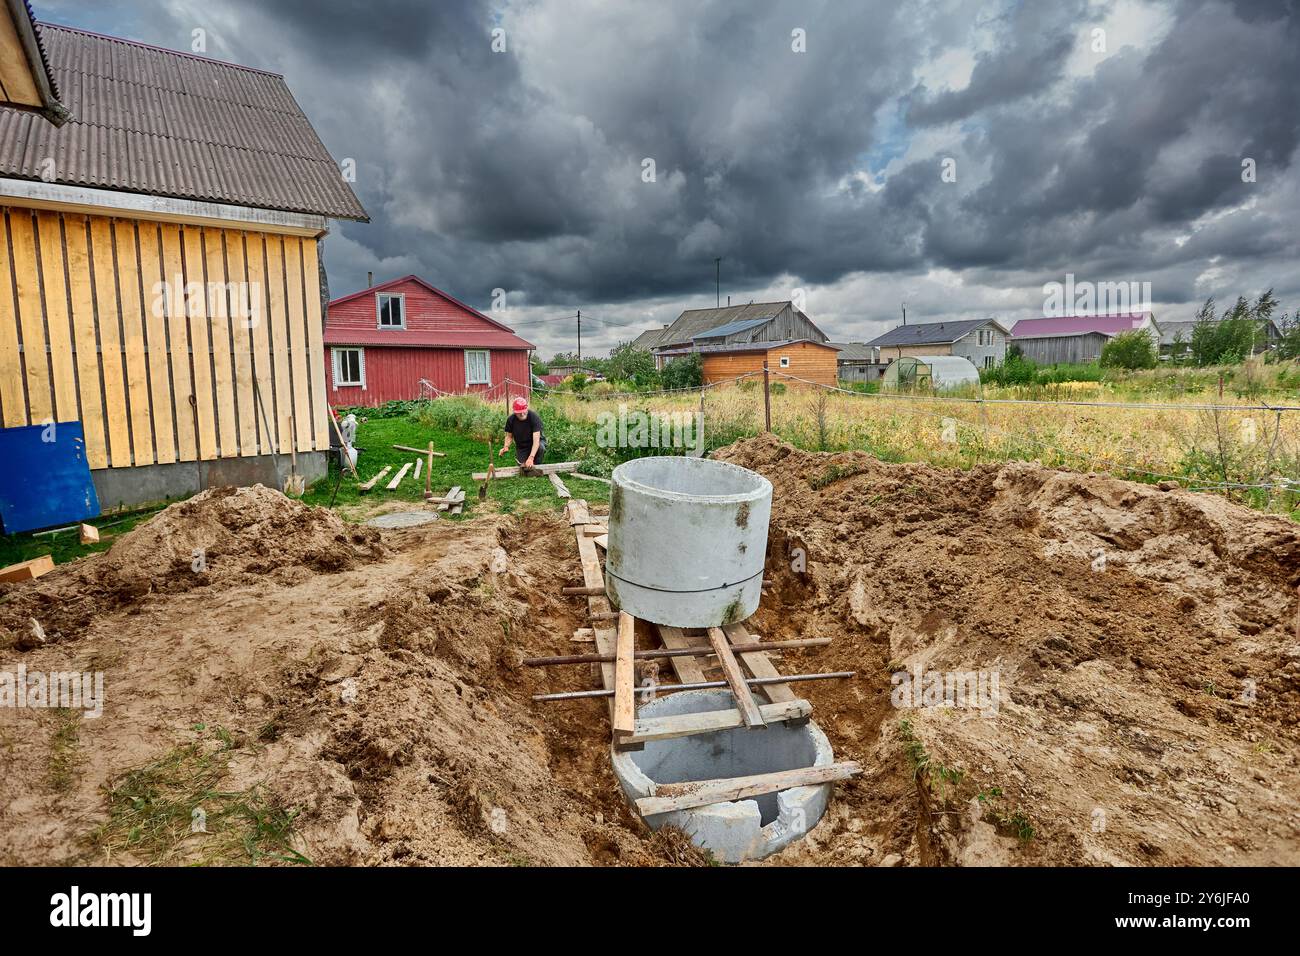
[[1145, 643]]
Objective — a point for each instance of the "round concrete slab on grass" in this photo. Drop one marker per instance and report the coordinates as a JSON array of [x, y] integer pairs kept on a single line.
[[403, 519]]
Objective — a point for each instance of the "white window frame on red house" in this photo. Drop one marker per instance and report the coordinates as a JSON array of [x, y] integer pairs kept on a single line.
[[336, 367], [487, 367], [379, 309]]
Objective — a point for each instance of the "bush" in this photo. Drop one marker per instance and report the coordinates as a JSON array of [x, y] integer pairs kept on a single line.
[[462, 413], [686, 372], [1130, 350], [634, 365]]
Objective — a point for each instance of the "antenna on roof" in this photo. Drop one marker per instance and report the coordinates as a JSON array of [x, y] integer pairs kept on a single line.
[[905, 313], [717, 267]]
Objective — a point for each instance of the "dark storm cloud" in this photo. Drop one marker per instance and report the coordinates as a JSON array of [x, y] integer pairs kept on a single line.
[[522, 170]]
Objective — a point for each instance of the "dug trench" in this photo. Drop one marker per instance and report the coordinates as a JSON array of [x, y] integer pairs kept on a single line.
[[363, 691]]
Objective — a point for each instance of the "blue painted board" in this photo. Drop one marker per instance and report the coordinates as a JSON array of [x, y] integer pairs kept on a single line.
[[45, 477]]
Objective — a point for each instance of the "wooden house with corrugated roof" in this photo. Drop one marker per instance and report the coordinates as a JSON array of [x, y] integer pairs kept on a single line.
[[160, 276]]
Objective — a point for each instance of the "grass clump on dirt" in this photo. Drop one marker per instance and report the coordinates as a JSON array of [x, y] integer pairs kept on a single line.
[[171, 812], [65, 749]]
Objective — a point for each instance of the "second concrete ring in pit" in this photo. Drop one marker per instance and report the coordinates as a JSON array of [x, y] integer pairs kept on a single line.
[[739, 830]]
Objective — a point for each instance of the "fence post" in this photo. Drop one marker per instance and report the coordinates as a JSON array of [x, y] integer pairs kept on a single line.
[[767, 400]]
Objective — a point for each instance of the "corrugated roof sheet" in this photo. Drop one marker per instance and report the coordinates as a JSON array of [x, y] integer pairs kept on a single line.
[[694, 322], [733, 327], [855, 352], [164, 123], [1067, 325], [928, 332]]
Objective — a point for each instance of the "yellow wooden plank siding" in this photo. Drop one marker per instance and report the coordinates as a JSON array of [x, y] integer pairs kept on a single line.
[[263, 360], [81, 296], [298, 341], [116, 322], [196, 309], [315, 341], [104, 277], [279, 325], [12, 401], [133, 342], [31, 319], [154, 308], [178, 336], [220, 338], [241, 319], [49, 226]]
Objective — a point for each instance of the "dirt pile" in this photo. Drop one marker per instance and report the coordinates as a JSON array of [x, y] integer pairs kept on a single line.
[[215, 540], [1144, 643]]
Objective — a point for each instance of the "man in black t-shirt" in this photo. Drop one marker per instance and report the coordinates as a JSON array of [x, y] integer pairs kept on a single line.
[[524, 428]]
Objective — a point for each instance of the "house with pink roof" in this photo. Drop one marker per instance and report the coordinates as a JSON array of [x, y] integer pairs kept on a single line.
[[1076, 338]]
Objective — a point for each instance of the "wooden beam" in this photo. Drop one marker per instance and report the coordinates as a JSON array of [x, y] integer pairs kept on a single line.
[[366, 486], [736, 679], [687, 725], [453, 497], [583, 591], [594, 530], [559, 486], [759, 664], [602, 541], [592, 478], [624, 676], [397, 478], [687, 669], [669, 798], [513, 472], [26, 570], [421, 451], [605, 638]]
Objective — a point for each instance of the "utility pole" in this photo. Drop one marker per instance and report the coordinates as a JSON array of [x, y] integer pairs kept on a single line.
[[580, 337], [717, 271]]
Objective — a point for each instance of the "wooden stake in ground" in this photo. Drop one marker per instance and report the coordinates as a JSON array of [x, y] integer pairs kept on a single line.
[[419, 463], [428, 474]]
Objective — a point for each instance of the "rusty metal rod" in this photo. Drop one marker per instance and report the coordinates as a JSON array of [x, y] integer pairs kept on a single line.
[[700, 651], [705, 685]]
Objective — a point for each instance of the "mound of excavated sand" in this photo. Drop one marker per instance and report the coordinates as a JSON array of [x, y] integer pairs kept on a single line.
[[220, 537], [1145, 642]]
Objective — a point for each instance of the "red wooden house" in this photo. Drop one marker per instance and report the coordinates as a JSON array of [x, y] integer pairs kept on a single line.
[[381, 342]]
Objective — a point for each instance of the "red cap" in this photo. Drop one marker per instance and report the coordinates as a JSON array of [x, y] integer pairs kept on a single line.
[[521, 404]]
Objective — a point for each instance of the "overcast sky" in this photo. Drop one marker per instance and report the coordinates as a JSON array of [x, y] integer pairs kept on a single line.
[[955, 155]]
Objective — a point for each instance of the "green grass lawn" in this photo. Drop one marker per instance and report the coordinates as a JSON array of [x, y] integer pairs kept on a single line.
[[375, 440]]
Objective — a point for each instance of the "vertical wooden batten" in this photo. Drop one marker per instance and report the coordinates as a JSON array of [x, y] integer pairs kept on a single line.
[[31, 318], [133, 342]]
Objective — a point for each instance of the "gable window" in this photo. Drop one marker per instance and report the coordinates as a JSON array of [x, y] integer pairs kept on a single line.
[[392, 310], [478, 367], [349, 367], [785, 361]]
